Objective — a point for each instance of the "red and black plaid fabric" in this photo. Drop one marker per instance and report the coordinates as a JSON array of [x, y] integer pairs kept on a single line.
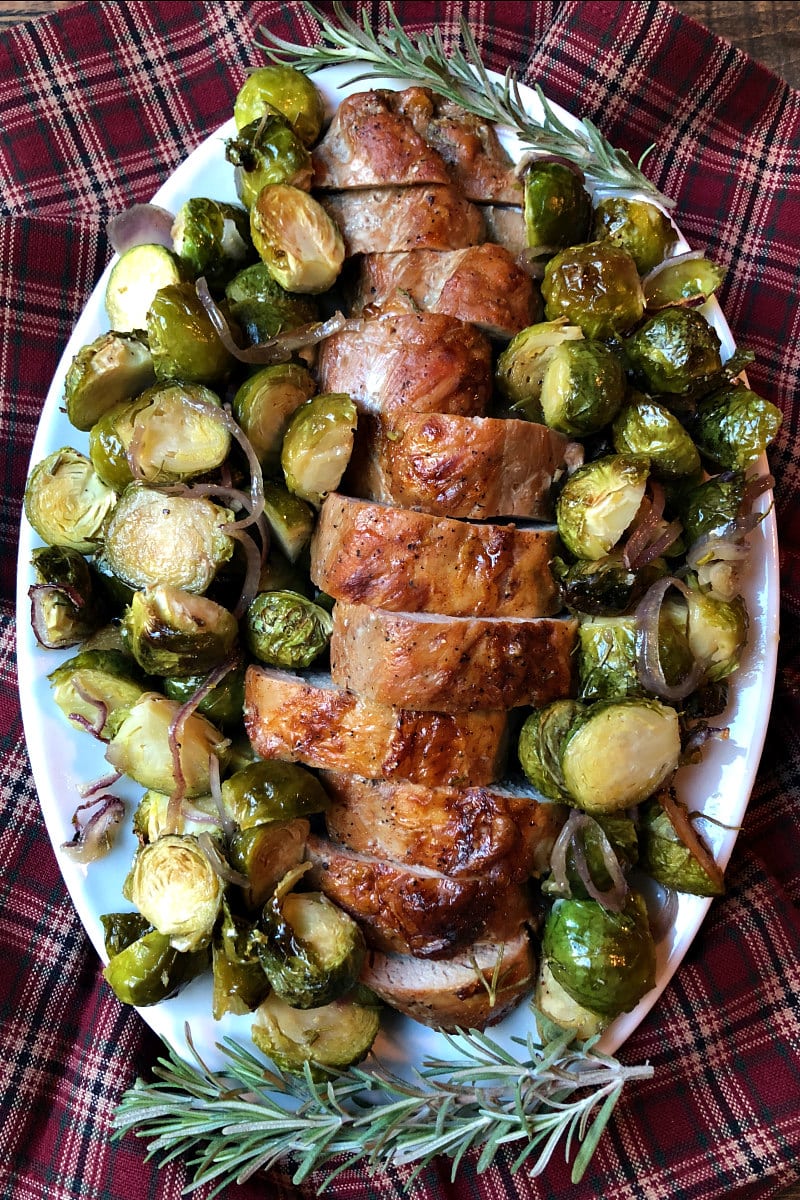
[[97, 106]]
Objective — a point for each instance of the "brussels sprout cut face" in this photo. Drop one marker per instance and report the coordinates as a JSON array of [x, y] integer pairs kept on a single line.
[[521, 366], [264, 405], [665, 857], [295, 237], [67, 502], [174, 886], [140, 747], [598, 503], [335, 1035], [582, 388]]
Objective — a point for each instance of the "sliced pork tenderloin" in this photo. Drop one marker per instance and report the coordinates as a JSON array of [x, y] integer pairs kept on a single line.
[[506, 227], [430, 216]]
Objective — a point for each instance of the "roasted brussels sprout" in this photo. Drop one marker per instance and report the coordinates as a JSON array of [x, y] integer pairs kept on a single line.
[[288, 92], [178, 540], [264, 405], [66, 501], [687, 279], [239, 980], [95, 689], [638, 227], [112, 368], [607, 656], [284, 629], [734, 426], [212, 238], [174, 886], [109, 440], [184, 343], [598, 503], [616, 753], [558, 209], [675, 351], [122, 929], [541, 741], [151, 969], [152, 818], [604, 960], [67, 601], [649, 429], [666, 858], [716, 629], [620, 832], [290, 520], [558, 1006], [333, 1036], [223, 705], [172, 632], [272, 791], [295, 237], [521, 366], [583, 387], [603, 586], [140, 747], [712, 505], [595, 286], [264, 853], [314, 951], [135, 279], [318, 444], [267, 151], [261, 308]]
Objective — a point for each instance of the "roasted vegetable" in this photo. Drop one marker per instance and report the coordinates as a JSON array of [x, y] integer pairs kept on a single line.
[[290, 520], [135, 279], [264, 853], [264, 404], [603, 586], [175, 887], [285, 90], [173, 632], [335, 1035], [558, 209], [262, 308], [122, 929], [521, 366], [140, 747], [212, 239], [239, 980], [734, 426], [150, 970], [598, 503], [318, 444], [647, 428], [112, 368], [295, 237], [265, 152], [153, 818], [595, 286], [583, 387], [67, 601], [687, 279], [95, 689], [674, 352], [541, 742], [67, 502], [223, 704], [607, 656], [636, 226], [184, 343], [272, 791], [716, 630], [669, 861], [711, 506], [285, 629], [555, 1003]]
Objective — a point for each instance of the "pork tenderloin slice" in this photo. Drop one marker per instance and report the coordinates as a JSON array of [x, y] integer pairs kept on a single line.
[[402, 560], [505, 830], [476, 987], [410, 362], [506, 227], [453, 466], [471, 149], [449, 664], [431, 216], [310, 720], [482, 284]]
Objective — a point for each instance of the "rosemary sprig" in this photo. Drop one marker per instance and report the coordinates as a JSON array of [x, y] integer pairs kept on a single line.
[[459, 75], [250, 1118]]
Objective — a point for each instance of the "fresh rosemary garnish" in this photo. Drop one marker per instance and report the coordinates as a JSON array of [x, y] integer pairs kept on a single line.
[[250, 1118], [459, 75]]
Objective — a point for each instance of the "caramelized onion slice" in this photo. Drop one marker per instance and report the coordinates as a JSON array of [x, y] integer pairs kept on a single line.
[[96, 837], [648, 661], [684, 827], [140, 225]]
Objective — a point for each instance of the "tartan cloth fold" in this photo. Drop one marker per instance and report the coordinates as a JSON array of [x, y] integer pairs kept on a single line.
[[97, 106]]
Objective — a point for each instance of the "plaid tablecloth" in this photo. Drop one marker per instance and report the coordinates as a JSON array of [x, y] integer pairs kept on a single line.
[[97, 106]]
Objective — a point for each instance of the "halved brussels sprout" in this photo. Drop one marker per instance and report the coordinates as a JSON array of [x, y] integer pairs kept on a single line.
[[716, 629], [541, 742], [157, 539], [264, 404], [140, 747], [583, 387], [668, 860], [272, 791], [173, 632], [734, 426], [648, 428], [675, 351], [122, 929], [598, 503], [109, 440], [687, 279], [239, 980], [333, 1036], [638, 227], [314, 951], [285, 629], [212, 238], [318, 444], [711, 505], [604, 586], [67, 601], [261, 308], [66, 501], [300, 244], [620, 832], [170, 439], [604, 960], [174, 886], [290, 520], [521, 366], [607, 656], [112, 368], [152, 817], [596, 286], [151, 969], [288, 92], [264, 853], [617, 753], [135, 279], [223, 705], [184, 343], [267, 151], [557, 1005], [558, 209], [95, 689]]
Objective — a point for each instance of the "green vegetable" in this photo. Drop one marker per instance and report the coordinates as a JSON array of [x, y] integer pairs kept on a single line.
[[712, 505], [290, 520], [122, 929], [175, 887], [288, 92], [264, 404], [173, 632], [684, 281], [267, 151], [582, 388], [636, 226], [557, 1005], [603, 586], [239, 980], [716, 629], [112, 368], [595, 286], [68, 597], [212, 239], [300, 244], [333, 1036], [675, 351], [66, 501], [223, 704], [558, 208], [607, 657], [734, 426], [665, 857], [318, 444], [152, 817], [521, 366], [135, 279], [261, 308], [263, 792], [264, 853], [647, 428], [97, 687], [151, 969], [541, 742], [285, 629], [598, 503], [140, 747], [183, 342]]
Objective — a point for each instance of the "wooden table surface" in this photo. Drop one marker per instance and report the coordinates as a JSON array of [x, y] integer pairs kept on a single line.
[[767, 30]]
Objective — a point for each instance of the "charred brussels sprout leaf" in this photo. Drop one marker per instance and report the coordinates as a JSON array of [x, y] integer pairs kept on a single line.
[[239, 980], [172, 632], [284, 629], [668, 860], [318, 444], [521, 366], [150, 970], [95, 689], [734, 427], [262, 308], [264, 853], [603, 586], [264, 405], [265, 152], [595, 286], [140, 747], [300, 244], [541, 742], [175, 887], [582, 388], [135, 279], [184, 343], [67, 601], [558, 208], [66, 501], [599, 501], [335, 1035], [636, 226], [606, 961], [272, 791], [674, 352], [647, 428], [688, 279], [212, 238], [223, 705], [113, 368], [288, 92]]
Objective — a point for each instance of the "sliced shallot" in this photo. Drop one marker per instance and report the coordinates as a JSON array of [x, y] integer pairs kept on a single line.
[[683, 826], [220, 866], [648, 661], [140, 225], [96, 837]]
